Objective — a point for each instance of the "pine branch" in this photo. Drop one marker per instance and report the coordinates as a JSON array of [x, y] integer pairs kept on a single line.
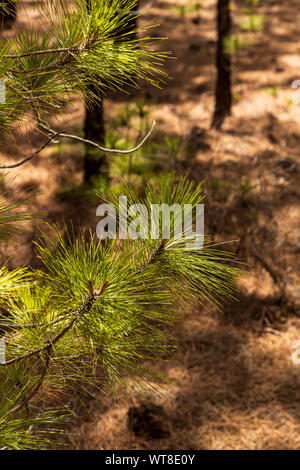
[[80, 139], [35, 325], [42, 52], [97, 49], [99, 147], [49, 347], [81, 311], [34, 154], [153, 257], [71, 51]]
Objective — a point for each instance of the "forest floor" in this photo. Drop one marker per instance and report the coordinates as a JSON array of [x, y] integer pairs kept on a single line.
[[233, 383]]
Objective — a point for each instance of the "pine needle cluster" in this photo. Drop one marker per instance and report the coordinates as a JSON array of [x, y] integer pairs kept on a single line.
[[78, 46], [101, 304]]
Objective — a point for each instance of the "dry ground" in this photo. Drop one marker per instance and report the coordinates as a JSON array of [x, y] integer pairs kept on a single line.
[[233, 382]]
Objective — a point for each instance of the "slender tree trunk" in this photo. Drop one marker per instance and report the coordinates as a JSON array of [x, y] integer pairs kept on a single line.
[[95, 162], [7, 18], [223, 63]]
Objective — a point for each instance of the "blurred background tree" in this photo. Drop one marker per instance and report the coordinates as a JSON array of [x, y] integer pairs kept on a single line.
[[223, 93]]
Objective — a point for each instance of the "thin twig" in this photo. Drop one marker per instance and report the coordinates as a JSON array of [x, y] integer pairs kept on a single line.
[[49, 347], [34, 325], [16, 165], [46, 51], [41, 379], [152, 259], [50, 343], [274, 332], [41, 69], [94, 144], [81, 311]]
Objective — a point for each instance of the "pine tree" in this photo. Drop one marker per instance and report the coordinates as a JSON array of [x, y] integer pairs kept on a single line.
[[97, 303]]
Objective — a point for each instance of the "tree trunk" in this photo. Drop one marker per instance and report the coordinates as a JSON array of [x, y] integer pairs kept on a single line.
[[223, 63], [95, 162], [7, 18]]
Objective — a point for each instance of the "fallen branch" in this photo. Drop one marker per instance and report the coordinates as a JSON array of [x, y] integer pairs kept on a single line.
[[274, 332]]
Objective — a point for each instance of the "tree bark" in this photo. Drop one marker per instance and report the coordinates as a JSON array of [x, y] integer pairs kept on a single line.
[[95, 161], [223, 94]]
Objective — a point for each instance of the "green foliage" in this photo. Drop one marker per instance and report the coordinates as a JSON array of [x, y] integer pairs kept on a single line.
[[245, 186], [5, 7], [253, 23], [237, 96], [96, 303], [173, 144], [15, 427], [18, 431], [10, 215], [183, 10], [125, 131], [78, 47], [272, 91], [249, 22], [235, 43]]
